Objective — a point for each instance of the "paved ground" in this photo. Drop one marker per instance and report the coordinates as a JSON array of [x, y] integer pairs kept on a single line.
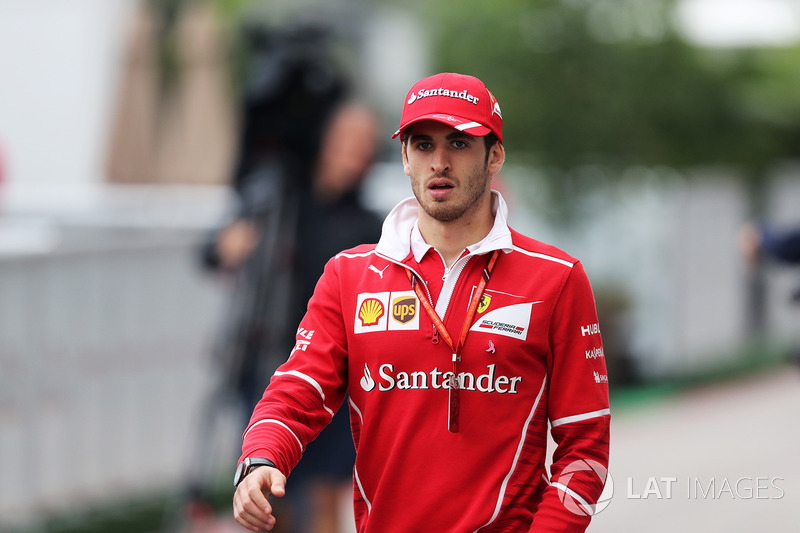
[[732, 450]]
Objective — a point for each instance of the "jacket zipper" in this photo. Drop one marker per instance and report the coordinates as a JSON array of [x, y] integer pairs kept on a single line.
[[459, 270], [460, 265], [435, 334]]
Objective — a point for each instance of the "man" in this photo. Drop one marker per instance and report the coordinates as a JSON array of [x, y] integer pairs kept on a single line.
[[756, 242], [333, 218], [458, 340]]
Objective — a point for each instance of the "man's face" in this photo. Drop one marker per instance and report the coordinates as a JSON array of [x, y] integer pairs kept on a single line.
[[449, 170]]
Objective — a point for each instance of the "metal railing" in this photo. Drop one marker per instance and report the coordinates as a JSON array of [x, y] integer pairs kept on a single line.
[[104, 362]]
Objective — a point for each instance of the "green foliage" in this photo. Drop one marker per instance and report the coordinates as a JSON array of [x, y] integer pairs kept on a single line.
[[232, 10], [609, 82]]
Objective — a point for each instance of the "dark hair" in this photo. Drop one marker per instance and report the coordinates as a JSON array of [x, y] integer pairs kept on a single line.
[[489, 140]]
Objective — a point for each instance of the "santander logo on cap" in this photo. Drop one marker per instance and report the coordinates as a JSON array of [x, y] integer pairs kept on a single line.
[[458, 100], [424, 93]]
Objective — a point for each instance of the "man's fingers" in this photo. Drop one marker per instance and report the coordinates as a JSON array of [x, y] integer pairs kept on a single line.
[[269, 480], [278, 484], [255, 495], [250, 505], [256, 525], [249, 514]]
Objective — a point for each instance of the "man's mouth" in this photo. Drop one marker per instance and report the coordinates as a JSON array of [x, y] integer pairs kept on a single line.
[[439, 184]]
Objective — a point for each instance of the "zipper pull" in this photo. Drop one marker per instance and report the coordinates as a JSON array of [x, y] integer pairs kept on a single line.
[[435, 336]]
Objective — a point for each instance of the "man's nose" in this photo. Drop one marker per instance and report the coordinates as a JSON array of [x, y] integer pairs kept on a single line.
[[441, 161]]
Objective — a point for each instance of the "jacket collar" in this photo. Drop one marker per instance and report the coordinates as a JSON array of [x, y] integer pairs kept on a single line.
[[400, 234]]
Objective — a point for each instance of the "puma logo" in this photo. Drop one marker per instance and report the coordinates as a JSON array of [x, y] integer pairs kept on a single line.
[[379, 272]]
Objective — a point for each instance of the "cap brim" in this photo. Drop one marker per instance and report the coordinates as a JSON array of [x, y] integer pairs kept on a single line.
[[470, 127]]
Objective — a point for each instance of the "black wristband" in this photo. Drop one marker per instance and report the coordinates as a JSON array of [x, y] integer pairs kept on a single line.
[[247, 466]]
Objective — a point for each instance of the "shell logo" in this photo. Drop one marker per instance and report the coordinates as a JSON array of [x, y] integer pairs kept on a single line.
[[371, 311]]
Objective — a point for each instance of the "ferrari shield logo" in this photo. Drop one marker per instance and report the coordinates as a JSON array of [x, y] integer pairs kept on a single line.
[[483, 305]]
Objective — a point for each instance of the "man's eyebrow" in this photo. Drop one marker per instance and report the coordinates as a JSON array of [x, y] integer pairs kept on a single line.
[[456, 135], [460, 135], [417, 137]]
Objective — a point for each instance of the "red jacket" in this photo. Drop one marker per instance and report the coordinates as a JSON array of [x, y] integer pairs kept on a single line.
[[533, 355]]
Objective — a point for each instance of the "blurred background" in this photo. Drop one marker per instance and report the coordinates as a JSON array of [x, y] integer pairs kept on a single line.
[[656, 140]]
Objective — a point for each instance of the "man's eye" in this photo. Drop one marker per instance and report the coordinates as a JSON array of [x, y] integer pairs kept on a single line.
[[423, 146], [459, 144]]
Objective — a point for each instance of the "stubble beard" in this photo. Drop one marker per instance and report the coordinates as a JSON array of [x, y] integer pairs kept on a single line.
[[445, 209]]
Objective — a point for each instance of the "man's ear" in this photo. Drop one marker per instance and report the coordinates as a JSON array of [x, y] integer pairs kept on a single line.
[[406, 168], [497, 155]]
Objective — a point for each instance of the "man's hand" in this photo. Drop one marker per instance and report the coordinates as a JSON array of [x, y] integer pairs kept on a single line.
[[236, 242], [250, 506], [750, 241]]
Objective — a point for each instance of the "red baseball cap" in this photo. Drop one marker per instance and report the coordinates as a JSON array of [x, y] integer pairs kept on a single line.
[[457, 100]]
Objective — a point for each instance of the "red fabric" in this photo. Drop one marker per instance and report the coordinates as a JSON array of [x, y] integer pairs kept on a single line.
[[460, 101], [533, 355]]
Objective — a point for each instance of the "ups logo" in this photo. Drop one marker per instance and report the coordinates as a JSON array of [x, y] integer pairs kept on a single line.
[[404, 309]]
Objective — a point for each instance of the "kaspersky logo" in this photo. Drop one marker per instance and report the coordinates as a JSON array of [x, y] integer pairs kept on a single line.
[[390, 378]]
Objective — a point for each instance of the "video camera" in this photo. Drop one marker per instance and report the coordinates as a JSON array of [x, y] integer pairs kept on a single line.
[[292, 85]]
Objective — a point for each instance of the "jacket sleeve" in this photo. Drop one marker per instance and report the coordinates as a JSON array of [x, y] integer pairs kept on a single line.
[[308, 388], [782, 246], [578, 411]]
